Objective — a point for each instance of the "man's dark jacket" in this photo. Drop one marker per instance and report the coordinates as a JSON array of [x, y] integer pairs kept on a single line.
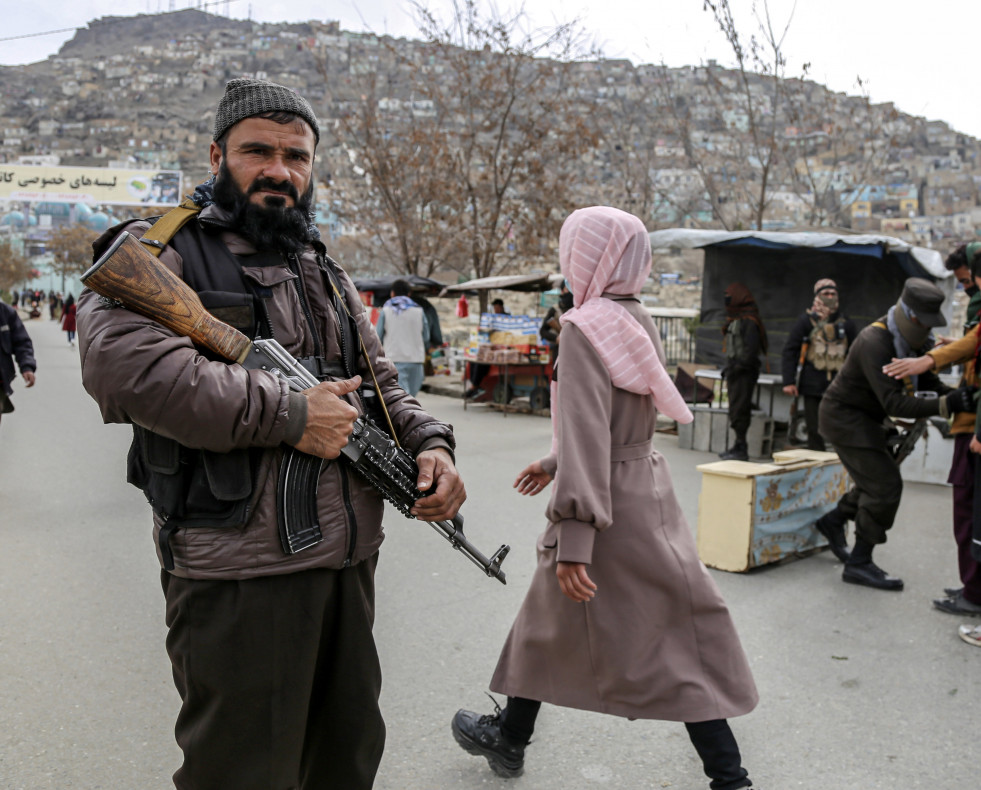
[[747, 363], [861, 397], [141, 373], [14, 343]]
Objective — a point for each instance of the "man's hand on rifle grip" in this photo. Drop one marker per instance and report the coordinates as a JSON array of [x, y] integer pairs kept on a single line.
[[330, 419], [438, 473]]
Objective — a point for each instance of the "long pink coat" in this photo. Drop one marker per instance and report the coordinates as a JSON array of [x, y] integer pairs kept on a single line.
[[657, 641]]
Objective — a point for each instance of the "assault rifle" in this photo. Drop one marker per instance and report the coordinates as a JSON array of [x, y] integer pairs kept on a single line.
[[129, 275], [902, 443]]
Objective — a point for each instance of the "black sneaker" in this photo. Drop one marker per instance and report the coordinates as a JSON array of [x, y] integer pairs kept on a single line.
[[959, 605], [481, 735], [868, 574], [832, 526]]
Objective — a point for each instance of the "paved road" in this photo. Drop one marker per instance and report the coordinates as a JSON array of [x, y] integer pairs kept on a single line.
[[860, 690]]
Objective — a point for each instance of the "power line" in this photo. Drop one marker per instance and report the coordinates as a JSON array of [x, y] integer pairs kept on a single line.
[[45, 33], [200, 6]]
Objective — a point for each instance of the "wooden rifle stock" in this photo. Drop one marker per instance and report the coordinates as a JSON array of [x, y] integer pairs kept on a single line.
[[130, 275]]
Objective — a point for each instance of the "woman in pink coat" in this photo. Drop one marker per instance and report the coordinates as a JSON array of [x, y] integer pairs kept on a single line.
[[621, 616]]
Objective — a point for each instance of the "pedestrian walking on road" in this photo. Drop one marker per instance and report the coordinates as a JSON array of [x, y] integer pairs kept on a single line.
[[621, 616], [404, 331], [15, 344], [68, 319]]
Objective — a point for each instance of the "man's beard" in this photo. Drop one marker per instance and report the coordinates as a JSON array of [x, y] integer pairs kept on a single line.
[[274, 225]]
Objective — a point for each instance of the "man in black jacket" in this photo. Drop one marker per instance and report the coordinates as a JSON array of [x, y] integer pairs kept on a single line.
[[854, 418], [15, 343]]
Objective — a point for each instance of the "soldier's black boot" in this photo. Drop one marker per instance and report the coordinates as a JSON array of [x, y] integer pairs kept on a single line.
[[832, 526], [738, 452], [483, 736], [861, 570]]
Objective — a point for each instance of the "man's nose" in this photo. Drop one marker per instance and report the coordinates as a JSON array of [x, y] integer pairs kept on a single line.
[[276, 169]]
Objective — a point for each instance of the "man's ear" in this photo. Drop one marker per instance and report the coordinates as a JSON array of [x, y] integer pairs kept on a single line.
[[215, 155]]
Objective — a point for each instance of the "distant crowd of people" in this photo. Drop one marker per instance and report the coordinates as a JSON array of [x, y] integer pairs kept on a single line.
[[59, 307]]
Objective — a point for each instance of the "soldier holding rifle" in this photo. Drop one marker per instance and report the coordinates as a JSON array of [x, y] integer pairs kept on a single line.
[[272, 647], [965, 468], [854, 416]]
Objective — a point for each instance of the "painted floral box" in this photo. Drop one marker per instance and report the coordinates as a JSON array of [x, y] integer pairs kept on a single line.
[[752, 514]]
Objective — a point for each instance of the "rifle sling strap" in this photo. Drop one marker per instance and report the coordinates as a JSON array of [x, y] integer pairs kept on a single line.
[[329, 265], [165, 228]]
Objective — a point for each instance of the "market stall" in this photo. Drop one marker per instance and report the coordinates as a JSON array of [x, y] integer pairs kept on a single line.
[[505, 358]]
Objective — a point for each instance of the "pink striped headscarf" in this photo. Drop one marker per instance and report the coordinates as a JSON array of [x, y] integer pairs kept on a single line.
[[605, 250]]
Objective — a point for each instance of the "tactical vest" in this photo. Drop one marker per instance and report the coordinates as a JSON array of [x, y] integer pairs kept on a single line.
[[734, 340], [190, 487], [827, 345]]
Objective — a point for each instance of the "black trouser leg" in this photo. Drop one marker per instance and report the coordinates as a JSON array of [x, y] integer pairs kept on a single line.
[[814, 439], [878, 488], [740, 387], [716, 745], [279, 680], [518, 719]]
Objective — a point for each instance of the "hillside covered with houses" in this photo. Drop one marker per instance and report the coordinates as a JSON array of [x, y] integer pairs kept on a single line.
[[140, 92]]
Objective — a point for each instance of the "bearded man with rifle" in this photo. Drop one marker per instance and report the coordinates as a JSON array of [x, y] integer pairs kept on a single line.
[[270, 639]]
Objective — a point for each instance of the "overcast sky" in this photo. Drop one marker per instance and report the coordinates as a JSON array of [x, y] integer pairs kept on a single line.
[[922, 56]]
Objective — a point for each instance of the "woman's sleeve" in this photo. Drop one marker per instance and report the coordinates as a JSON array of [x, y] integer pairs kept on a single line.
[[581, 502]]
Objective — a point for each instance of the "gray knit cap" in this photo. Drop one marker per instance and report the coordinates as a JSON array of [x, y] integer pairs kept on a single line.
[[245, 98]]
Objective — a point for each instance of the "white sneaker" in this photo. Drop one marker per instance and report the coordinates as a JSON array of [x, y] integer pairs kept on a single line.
[[970, 634]]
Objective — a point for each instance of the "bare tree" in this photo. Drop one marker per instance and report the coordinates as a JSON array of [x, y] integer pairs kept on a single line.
[[402, 160], [71, 250], [15, 267], [834, 143], [756, 138], [474, 169]]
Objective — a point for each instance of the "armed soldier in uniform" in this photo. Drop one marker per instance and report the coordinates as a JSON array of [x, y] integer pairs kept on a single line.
[[745, 340], [272, 651], [814, 352], [964, 467], [854, 414]]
